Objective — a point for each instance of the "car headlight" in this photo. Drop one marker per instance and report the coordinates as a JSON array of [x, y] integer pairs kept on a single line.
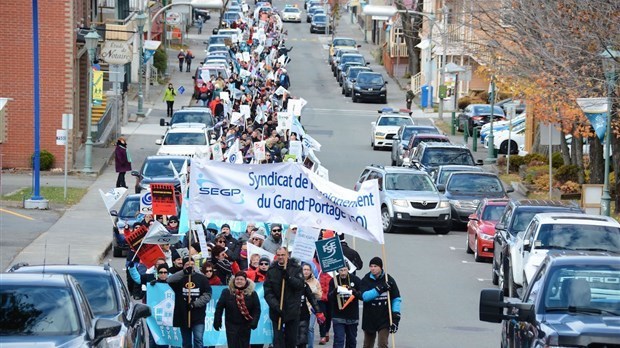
[[444, 204], [455, 203], [400, 203], [485, 236], [380, 134]]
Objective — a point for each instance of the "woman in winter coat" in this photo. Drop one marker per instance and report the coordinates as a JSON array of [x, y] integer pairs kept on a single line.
[[315, 287], [122, 161], [242, 307], [309, 305]]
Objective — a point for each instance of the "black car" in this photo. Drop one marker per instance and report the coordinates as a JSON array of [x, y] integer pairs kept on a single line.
[[126, 216], [573, 301], [429, 156], [344, 70], [347, 84], [402, 139], [477, 115], [369, 85], [318, 24], [157, 170], [516, 217], [49, 310], [107, 295]]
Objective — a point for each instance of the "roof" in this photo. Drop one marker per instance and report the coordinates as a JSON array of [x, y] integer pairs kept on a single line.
[[39, 280], [469, 172], [575, 257], [90, 269], [395, 169], [437, 144], [187, 130], [542, 202], [576, 219]]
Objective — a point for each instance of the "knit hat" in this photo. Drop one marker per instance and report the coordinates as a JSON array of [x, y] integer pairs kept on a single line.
[[225, 225], [186, 259], [174, 254], [217, 250], [376, 261], [162, 266], [274, 225], [257, 235], [241, 274], [264, 258], [173, 218]]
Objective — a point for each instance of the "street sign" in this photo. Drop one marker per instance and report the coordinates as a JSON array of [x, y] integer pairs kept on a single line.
[[61, 137], [117, 73], [67, 121], [173, 18], [116, 52]]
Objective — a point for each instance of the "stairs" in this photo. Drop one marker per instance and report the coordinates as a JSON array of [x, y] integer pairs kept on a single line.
[[98, 111]]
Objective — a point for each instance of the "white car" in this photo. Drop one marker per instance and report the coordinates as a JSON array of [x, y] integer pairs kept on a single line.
[[184, 141], [291, 14], [385, 127], [559, 231], [500, 140]]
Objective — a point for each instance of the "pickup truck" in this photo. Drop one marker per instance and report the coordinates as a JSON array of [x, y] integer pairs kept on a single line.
[[572, 301]]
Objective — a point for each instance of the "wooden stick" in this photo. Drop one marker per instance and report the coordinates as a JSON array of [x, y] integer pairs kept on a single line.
[[389, 302], [282, 297], [189, 291]]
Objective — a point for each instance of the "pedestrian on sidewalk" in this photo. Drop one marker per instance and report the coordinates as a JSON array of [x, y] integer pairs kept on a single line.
[[122, 161], [169, 99], [181, 57], [188, 60], [409, 97]]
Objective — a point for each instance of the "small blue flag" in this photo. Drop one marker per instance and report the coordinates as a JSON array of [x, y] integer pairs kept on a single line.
[[181, 90]]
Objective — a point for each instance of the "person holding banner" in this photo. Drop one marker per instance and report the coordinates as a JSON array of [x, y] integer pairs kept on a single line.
[[162, 277], [284, 286], [241, 305], [192, 294], [381, 305], [344, 296]]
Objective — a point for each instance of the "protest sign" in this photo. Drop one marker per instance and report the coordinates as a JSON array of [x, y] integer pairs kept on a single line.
[[284, 120], [245, 111], [282, 192], [160, 297], [281, 90], [330, 254], [294, 107], [236, 118], [164, 200], [148, 253], [304, 247], [294, 148], [146, 203], [253, 249], [216, 149], [259, 150]]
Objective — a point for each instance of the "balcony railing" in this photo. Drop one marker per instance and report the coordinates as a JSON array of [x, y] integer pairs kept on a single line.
[[398, 50]]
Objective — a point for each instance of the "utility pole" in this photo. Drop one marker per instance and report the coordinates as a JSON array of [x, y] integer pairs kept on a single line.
[[442, 72]]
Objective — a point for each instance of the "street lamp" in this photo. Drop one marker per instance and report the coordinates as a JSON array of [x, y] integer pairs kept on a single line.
[[491, 155], [91, 40], [609, 66], [140, 21]]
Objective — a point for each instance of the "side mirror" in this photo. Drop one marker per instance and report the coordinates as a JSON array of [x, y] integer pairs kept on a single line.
[[135, 173], [358, 46], [113, 212], [491, 307], [386, 82], [510, 189], [396, 137], [140, 311], [527, 246], [105, 328], [473, 217], [162, 122], [353, 80], [500, 227], [158, 142], [441, 188], [479, 162]]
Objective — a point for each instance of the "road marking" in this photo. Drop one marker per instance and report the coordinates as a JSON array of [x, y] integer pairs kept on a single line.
[[16, 214], [455, 248], [483, 280]]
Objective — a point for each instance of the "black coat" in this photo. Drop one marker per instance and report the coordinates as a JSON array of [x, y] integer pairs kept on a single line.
[[352, 311], [352, 255], [228, 303], [200, 292], [294, 287], [376, 316]]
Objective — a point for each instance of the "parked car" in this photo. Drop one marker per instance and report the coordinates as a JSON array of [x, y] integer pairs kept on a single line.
[[519, 105], [190, 116], [107, 295], [345, 69], [384, 129], [157, 170], [464, 190], [572, 302], [342, 42], [515, 219], [443, 172], [417, 139], [401, 140], [408, 199], [558, 231], [353, 71], [229, 17], [127, 215], [429, 156], [500, 126], [49, 310], [335, 59], [369, 85], [319, 24], [346, 58], [291, 14], [481, 228], [477, 115], [507, 138]]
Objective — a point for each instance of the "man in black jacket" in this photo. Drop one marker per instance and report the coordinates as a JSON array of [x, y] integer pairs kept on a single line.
[[344, 295], [192, 293], [284, 275]]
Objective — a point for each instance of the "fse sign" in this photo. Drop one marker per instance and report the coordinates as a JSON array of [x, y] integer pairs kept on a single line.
[[116, 52]]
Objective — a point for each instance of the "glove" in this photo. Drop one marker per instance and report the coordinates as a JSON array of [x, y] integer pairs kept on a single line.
[[344, 291], [217, 325], [131, 264], [320, 317], [395, 322], [254, 326], [190, 306], [383, 287], [187, 270]]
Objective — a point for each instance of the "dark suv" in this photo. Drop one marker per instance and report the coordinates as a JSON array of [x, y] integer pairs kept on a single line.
[[369, 85], [107, 295], [516, 217], [573, 301], [429, 156]]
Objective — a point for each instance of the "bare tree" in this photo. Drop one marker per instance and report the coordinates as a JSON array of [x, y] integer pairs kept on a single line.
[[412, 25]]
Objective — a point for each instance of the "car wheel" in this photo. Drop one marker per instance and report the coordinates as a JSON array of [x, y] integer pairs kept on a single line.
[[342, 91], [347, 93], [477, 257], [116, 251], [386, 219], [467, 248], [384, 100], [441, 230], [514, 148]]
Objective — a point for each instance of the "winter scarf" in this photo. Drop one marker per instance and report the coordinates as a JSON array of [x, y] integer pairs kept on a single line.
[[240, 299]]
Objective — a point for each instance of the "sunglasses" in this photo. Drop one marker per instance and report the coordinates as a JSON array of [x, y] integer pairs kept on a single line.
[[164, 272], [277, 230], [173, 222], [209, 271], [264, 263], [221, 241]]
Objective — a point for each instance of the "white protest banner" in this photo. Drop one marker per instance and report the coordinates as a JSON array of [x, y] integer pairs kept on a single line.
[[303, 102], [281, 90], [158, 234], [294, 148], [232, 151], [294, 107], [260, 115], [283, 192], [253, 249], [259, 49], [311, 143], [225, 97], [146, 202], [236, 118], [203, 152], [216, 149], [285, 120], [245, 111], [111, 196], [323, 172], [259, 151], [246, 56], [304, 247], [243, 73]]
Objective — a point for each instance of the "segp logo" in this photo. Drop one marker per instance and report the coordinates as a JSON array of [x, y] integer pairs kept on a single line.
[[210, 188], [329, 248]]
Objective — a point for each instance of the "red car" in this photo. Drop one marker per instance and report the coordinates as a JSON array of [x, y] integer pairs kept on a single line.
[[481, 228]]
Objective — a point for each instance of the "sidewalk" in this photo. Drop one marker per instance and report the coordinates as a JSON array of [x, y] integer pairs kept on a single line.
[[86, 226]]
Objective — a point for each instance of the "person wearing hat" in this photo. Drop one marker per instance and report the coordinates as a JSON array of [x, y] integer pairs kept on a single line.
[[258, 237], [194, 301], [241, 307], [250, 228], [377, 287], [258, 275], [345, 318], [223, 268], [142, 275], [161, 278], [274, 240], [173, 224], [231, 243]]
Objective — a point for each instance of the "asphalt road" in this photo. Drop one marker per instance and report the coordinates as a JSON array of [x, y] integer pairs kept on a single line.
[[439, 282]]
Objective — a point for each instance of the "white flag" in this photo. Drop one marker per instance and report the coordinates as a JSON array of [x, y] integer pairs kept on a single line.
[[146, 202], [158, 234], [237, 119], [232, 151], [245, 111], [112, 196], [181, 176], [311, 143], [281, 90], [216, 149]]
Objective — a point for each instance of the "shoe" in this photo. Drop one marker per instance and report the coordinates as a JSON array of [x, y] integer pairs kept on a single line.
[[326, 338], [322, 341]]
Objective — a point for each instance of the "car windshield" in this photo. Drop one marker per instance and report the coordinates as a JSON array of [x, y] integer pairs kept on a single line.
[[353, 72], [522, 218], [193, 117], [445, 173], [37, 311], [319, 18], [419, 140], [344, 42], [444, 156], [218, 40], [409, 131], [185, 139], [161, 167], [408, 182], [372, 79], [231, 15], [593, 289], [493, 212], [461, 182], [355, 58], [130, 209], [291, 10], [394, 121], [486, 110], [580, 237]]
